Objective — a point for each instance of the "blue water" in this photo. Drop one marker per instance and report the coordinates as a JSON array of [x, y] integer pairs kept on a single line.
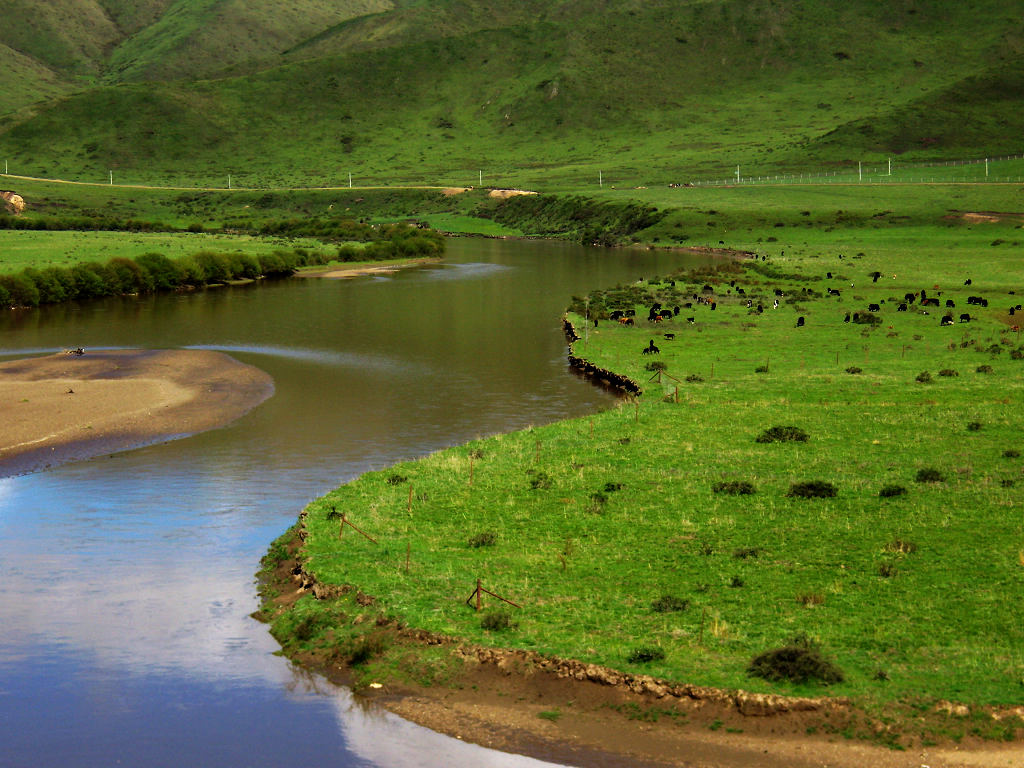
[[126, 581]]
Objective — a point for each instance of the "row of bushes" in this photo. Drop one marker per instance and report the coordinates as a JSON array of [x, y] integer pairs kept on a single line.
[[80, 224], [149, 273]]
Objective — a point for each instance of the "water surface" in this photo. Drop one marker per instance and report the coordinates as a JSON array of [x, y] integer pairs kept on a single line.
[[126, 582]]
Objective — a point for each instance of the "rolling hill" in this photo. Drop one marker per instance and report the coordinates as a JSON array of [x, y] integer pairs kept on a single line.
[[304, 92]]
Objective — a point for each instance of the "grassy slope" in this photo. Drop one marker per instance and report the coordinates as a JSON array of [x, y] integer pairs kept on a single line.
[[534, 95], [587, 562]]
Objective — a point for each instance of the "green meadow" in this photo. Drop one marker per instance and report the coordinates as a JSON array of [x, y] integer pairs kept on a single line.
[[664, 525]]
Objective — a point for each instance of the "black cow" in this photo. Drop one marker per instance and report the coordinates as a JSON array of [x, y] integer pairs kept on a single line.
[[950, 304], [965, 318], [947, 319], [901, 308], [800, 322], [874, 308]]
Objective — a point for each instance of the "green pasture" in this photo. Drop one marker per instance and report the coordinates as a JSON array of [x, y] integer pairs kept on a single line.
[[24, 248], [585, 524]]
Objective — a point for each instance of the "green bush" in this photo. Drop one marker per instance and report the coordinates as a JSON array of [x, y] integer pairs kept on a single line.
[[812, 489], [669, 604], [734, 487], [496, 621], [929, 475], [645, 655], [888, 491], [800, 661], [485, 539], [783, 435], [21, 290]]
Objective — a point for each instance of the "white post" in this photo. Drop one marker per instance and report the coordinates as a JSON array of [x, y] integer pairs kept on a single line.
[[860, 171], [229, 181], [600, 179], [350, 181], [5, 167], [890, 166], [986, 167], [111, 178], [737, 174], [481, 178]]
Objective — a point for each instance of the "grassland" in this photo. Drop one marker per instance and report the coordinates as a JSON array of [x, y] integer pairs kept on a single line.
[[24, 248], [588, 524], [538, 94]]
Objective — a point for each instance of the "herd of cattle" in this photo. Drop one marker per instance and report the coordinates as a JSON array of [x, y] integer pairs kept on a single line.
[[921, 299]]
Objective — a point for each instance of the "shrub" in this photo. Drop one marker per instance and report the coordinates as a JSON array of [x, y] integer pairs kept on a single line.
[[929, 475], [1016, 354], [854, 369], [734, 487], [669, 604], [887, 570], [812, 489], [695, 378], [983, 369], [745, 552], [736, 582], [783, 435], [810, 599], [164, 273], [761, 369], [867, 318], [800, 661], [365, 649], [645, 655], [539, 480], [948, 372], [396, 479], [888, 491], [496, 621], [973, 426], [485, 539], [656, 366], [1011, 453], [923, 377], [21, 290]]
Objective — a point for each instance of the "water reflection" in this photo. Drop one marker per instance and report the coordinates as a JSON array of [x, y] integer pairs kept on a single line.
[[126, 582]]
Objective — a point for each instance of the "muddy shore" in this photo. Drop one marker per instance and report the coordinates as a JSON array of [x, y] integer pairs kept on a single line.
[[67, 407]]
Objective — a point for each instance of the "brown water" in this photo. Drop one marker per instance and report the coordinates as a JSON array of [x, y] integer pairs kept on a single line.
[[126, 582]]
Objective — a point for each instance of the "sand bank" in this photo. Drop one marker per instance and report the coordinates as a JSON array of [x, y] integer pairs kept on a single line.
[[65, 407]]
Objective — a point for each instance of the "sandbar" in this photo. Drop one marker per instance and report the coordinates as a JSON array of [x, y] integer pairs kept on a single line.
[[67, 407]]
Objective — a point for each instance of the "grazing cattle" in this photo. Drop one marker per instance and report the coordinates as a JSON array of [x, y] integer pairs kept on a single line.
[[626, 320], [779, 292], [688, 305], [800, 322], [901, 308], [760, 308], [856, 317], [847, 318], [714, 305], [828, 275], [1012, 311], [650, 349], [741, 292], [691, 320], [675, 310], [984, 302], [965, 318], [616, 314], [750, 303], [909, 297], [946, 320], [875, 276], [874, 308], [833, 292], [950, 304], [670, 336], [967, 281], [666, 314], [929, 302]]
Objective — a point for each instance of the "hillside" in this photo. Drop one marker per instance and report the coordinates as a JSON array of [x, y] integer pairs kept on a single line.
[[534, 93]]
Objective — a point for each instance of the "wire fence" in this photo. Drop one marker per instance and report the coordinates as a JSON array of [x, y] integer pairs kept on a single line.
[[967, 171]]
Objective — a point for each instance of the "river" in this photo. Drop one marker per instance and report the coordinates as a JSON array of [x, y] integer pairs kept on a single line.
[[126, 582]]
